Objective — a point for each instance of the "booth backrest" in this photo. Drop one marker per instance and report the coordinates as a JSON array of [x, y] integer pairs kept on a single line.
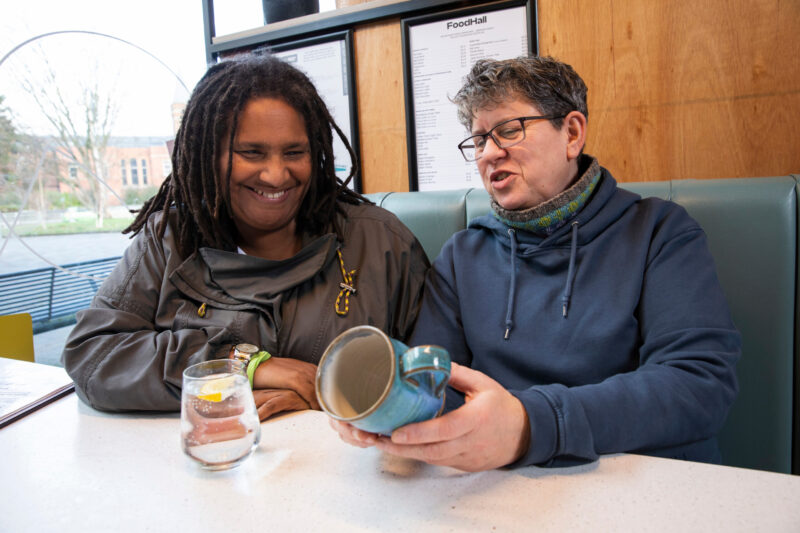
[[752, 228]]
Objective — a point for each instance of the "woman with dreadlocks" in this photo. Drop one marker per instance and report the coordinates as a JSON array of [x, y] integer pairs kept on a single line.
[[251, 246]]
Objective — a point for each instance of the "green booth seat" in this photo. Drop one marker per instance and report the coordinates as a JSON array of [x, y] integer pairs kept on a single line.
[[432, 216]]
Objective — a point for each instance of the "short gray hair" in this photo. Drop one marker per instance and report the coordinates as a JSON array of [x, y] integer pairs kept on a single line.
[[552, 86]]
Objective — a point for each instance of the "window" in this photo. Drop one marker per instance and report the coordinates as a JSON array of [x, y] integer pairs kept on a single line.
[[69, 87], [144, 171], [166, 167], [134, 173]]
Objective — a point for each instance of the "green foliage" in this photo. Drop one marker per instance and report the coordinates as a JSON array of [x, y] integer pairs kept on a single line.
[[85, 225], [10, 200], [8, 139], [10, 197], [61, 200], [136, 197]]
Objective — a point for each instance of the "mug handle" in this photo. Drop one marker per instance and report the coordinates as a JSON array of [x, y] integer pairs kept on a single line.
[[426, 367]]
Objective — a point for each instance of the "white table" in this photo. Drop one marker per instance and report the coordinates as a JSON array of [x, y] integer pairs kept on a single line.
[[68, 467]]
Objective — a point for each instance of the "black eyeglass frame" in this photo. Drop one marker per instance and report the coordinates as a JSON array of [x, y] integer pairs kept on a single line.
[[497, 142]]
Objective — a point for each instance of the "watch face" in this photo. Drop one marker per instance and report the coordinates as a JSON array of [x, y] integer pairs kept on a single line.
[[249, 349], [243, 352]]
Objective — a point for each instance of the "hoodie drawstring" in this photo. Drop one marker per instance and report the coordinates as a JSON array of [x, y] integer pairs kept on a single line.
[[512, 288], [571, 272]]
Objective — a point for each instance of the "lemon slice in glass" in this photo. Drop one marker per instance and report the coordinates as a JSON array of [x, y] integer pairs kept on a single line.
[[217, 390]]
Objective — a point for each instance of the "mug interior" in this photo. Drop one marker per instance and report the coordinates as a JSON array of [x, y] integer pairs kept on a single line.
[[355, 373]]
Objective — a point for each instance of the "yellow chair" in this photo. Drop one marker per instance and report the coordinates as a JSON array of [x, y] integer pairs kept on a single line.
[[16, 337]]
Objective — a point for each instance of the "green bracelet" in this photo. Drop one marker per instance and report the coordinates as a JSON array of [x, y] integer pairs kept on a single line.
[[256, 360]]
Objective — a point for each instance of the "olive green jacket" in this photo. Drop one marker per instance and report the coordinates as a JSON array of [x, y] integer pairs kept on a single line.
[[157, 313]]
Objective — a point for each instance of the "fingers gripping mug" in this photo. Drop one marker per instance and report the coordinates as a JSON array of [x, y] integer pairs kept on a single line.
[[377, 383]]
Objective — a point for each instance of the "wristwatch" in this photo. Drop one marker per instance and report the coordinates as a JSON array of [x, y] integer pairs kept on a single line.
[[243, 352]]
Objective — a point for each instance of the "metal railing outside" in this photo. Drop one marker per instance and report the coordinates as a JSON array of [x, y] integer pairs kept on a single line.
[[53, 295]]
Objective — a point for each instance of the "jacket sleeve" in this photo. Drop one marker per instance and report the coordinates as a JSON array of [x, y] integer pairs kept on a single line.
[[685, 382], [117, 356]]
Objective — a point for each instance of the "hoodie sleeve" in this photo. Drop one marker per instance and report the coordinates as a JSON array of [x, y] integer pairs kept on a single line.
[[115, 354], [685, 382], [439, 319]]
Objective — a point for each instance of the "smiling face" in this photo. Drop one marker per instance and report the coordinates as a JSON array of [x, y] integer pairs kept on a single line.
[[543, 165], [270, 174]]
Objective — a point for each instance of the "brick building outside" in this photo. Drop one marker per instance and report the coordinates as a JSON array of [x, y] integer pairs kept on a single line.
[[137, 163], [135, 166]]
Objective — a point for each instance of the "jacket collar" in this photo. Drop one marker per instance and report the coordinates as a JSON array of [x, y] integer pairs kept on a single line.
[[233, 280]]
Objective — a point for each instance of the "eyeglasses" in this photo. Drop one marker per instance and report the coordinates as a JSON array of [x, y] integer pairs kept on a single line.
[[505, 135]]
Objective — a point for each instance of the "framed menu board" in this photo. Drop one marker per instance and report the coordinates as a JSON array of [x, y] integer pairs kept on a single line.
[[328, 61], [438, 51]]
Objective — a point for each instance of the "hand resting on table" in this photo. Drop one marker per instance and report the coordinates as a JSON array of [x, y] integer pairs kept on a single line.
[[284, 384]]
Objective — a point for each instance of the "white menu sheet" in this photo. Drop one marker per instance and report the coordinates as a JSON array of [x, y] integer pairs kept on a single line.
[[25, 387], [441, 54], [326, 65]]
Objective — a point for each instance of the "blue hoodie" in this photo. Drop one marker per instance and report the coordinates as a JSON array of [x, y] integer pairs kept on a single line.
[[613, 332]]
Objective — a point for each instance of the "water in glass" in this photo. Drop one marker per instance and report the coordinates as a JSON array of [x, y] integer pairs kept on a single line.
[[219, 421]]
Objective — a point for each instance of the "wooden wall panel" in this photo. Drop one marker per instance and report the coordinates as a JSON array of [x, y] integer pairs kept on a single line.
[[381, 107], [684, 89], [697, 140], [586, 42]]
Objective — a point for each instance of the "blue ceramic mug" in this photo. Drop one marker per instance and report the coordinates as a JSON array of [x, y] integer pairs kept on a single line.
[[377, 383]]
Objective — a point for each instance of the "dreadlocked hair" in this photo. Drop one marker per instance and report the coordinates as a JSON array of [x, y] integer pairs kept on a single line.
[[200, 196]]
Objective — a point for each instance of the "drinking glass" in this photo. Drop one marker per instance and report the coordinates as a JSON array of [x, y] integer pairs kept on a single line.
[[219, 421]]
